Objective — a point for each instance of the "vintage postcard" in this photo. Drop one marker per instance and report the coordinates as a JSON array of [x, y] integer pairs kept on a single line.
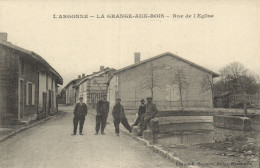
[[129, 84]]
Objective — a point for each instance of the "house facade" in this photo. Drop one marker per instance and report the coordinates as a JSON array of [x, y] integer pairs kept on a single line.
[[94, 86], [22, 73], [171, 80]]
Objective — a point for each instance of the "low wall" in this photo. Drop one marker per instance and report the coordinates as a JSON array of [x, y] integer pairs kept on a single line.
[[160, 125], [232, 122], [180, 123], [166, 113]]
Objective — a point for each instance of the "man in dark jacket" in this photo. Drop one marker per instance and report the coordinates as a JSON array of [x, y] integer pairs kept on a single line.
[[102, 113], [80, 111], [119, 116], [141, 112], [150, 113]]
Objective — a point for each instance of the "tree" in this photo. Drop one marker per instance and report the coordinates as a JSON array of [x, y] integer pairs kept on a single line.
[[237, 79], [179, 79], [152, 77], [231, 75], [248, 85], [207, 84]]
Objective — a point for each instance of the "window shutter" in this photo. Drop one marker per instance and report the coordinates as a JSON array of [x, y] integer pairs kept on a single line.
[[33, 94], [27, 93]]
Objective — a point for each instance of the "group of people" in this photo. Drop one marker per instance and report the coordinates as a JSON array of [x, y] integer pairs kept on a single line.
[[146, 112]]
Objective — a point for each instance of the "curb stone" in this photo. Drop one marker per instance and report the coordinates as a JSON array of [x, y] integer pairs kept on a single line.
[[29, 126]]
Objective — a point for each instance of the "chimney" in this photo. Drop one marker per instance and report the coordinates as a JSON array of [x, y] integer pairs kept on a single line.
[[3, 37], [102, 68], [137, 57], [79, 76], [83, 75]]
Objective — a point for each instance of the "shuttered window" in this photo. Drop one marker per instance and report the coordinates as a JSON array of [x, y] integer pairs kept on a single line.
[[33, 94], [27, 94]]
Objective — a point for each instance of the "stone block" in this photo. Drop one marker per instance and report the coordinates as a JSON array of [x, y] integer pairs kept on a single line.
[[232, 122]]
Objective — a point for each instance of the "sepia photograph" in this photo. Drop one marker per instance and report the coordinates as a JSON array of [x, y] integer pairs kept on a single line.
[[130, 84]]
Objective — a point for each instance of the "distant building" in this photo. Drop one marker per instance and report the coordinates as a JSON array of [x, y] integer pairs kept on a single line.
[[71, 92], [90, 87], [28, 84], [62, 97], [232, 100], [93, 86], [160, 77]]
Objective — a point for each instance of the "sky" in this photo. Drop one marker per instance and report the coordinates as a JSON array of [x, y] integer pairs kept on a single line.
[[76, 46]]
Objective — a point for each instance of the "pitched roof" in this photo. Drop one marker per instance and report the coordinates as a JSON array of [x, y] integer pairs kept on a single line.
[[72, 82], [167, 54], [95, 74], [77, 82], [36, 57]]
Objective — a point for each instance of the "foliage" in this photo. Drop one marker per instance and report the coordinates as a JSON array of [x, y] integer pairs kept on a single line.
[[236, 79]]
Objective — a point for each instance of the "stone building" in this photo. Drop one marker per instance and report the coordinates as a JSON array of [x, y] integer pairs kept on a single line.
[[171, 80], [93, 86], [28, 84]]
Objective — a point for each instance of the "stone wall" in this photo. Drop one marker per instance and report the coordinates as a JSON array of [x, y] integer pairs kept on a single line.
[[8, 85], [232, 122], [131, 85]]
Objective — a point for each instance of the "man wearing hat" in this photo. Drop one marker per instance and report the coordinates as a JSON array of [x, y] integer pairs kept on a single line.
[[150, 113], [141, 112], [119, 116], [102, 113], [80, 111]]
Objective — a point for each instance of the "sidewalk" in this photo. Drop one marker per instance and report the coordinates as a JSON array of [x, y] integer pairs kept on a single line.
[[6, 131]]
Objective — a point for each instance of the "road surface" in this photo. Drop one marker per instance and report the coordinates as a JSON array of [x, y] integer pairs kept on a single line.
[[50, 145]]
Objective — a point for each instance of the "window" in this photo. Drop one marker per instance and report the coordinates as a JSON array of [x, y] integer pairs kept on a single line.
[[30, 94], [27, 94], [22, 66], [51, 83], [46, 81], [33, 94]]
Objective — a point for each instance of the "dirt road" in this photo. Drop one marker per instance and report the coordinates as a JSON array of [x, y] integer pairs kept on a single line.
[[51, 145]]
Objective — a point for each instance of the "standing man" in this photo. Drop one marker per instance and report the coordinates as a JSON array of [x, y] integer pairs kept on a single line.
[[119, 116], [150, 113], [141, 112], [102, 113], [80, 111]]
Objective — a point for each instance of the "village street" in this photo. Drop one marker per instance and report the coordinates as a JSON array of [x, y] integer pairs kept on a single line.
[[51, 145]]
